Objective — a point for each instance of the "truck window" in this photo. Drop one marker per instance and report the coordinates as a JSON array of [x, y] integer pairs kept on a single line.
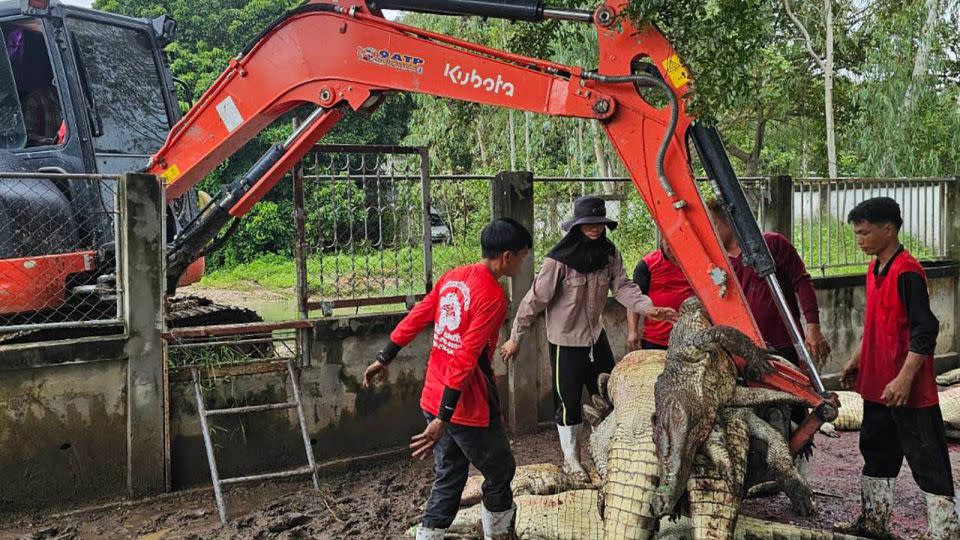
[[12, 134], [31, 100], [123, 77]]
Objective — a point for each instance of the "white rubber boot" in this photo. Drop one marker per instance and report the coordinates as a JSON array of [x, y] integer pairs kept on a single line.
[[943, 523], [498, 525], [570, 444], [424, 533], [876, 500]]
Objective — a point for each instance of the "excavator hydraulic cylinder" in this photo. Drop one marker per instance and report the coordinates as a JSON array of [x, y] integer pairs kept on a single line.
[[518, 10]]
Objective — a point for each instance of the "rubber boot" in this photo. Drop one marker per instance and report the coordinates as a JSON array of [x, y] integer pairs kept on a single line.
[[424, 533], [499, 525], [570, 444], [876, 505], [943, 523]]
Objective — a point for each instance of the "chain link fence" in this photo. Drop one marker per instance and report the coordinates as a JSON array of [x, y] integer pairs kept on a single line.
[[58, 264]]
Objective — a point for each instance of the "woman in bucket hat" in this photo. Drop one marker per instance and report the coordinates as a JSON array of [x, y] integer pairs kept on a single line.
[[572, 287]]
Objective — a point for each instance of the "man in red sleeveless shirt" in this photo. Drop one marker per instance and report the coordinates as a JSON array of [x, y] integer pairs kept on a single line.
[[663, 281], [893, 371], [467, 308]]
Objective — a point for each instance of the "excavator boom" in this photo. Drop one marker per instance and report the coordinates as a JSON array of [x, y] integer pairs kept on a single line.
[[343, 55]]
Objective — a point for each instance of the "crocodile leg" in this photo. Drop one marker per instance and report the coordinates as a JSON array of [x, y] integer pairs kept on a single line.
[[737, 343], [755, 397], [781, 464]]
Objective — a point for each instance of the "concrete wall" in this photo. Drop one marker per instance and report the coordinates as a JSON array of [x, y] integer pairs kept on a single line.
[[63, 424], [343, 419]]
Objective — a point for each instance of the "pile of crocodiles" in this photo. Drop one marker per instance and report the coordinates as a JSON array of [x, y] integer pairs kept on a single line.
[[671, 431]]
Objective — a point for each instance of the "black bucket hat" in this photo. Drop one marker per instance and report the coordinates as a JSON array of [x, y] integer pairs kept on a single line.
[[587, 210]]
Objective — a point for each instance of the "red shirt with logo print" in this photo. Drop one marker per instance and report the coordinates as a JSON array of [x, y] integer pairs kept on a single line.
[[467, 308]]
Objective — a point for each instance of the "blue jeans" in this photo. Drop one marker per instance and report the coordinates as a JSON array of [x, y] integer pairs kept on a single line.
[[488, 449]]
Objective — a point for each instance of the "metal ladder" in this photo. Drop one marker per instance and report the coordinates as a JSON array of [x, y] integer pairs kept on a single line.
[[204, 413]]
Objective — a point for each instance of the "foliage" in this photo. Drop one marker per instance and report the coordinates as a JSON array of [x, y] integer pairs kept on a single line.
[[752, 76], [210, 33]]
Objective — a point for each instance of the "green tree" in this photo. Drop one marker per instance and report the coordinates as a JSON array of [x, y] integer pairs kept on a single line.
[[210, 33]]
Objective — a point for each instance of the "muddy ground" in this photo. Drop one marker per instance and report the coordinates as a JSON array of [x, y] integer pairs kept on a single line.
[[383, 501]]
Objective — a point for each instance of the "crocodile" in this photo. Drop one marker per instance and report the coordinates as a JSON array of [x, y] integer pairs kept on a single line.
[[536, 479], [622, 449], [698, 380], [851, 411], [621, 445], [573, 515], [850, 415], [949, 378]]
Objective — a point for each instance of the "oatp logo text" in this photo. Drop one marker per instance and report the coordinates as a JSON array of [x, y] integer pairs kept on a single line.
[[394, 60]]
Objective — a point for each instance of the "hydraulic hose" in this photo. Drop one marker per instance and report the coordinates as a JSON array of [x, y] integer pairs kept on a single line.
[[646, 80]]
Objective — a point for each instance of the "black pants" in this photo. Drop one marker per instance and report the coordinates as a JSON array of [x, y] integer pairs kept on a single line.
[[574, 367], [460, 446], [889, 434], [644, 344]]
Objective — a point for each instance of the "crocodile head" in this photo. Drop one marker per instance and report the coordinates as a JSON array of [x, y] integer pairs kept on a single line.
[[691, 318], [683, 417], [680, 431]]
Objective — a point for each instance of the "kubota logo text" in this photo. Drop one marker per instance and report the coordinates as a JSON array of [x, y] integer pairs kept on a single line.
[[457, 75]]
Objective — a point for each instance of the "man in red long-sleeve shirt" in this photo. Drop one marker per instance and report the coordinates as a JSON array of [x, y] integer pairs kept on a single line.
[[798, 290], [796, 284], [467, 308]]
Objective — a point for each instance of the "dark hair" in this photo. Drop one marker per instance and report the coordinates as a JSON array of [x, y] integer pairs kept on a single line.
[[716, 208], [504, 234], [878, 211]]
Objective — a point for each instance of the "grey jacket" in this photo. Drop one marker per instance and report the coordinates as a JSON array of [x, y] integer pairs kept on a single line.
[[574, 302]]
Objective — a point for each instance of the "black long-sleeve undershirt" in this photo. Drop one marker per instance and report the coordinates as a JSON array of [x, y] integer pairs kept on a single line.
[[924, 326]]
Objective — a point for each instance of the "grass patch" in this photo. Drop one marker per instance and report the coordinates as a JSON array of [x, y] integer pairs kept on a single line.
[[827, 249]]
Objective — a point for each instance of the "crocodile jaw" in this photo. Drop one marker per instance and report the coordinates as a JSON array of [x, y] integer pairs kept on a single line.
[[677, 437]]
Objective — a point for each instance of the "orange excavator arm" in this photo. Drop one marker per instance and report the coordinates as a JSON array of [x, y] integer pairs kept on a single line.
[[343, 55]]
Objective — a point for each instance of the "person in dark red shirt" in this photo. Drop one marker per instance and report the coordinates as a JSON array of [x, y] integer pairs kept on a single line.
[[798, 289], [795, 281], [467, 308], [893, 371], [663, 281]]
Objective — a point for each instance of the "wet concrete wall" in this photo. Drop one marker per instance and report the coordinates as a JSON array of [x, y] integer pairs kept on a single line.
[[63, 424], [344, 420]]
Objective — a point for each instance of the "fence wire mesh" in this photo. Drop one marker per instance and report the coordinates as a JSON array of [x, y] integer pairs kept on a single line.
[[377, 230], [58, 267]]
